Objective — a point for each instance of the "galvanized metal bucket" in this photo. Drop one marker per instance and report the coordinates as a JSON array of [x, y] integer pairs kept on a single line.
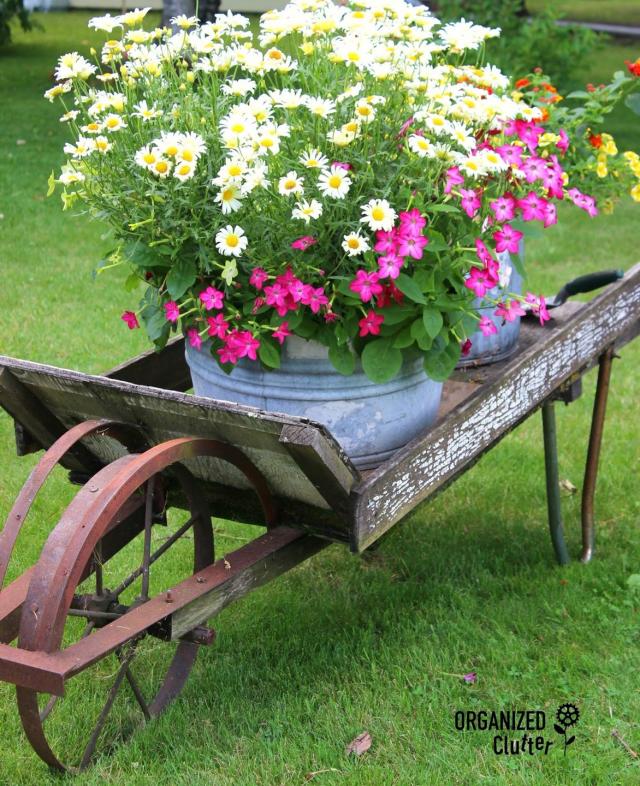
[[500, 345], [370, 421]]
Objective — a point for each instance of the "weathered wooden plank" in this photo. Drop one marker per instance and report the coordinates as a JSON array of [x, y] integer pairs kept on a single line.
[[161, 415], [244, 570], [421, 468], [166, 369], [26, 408], [25, 443], [328, 472]]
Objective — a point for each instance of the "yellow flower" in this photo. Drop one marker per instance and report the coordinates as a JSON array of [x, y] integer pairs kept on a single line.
[[608, 145], [548, 139], [607, 206], [307, 48], [601, 168], [635, 192], [631, 156]]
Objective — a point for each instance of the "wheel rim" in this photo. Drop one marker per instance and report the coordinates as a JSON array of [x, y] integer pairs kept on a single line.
[[103, 686]]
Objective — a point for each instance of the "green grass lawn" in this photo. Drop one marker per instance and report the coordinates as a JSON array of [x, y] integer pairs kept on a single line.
[[619, 12], [341, 645]]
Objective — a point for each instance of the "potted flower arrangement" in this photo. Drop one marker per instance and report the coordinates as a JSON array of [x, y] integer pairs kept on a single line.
[[315, 205]]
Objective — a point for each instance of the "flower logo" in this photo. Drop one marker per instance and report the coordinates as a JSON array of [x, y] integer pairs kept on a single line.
[[567, 716]]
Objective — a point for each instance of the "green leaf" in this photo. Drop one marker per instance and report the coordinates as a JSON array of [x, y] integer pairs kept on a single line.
[[268, 353], [229, 271], [436, 242], [342, 358], [404, 338], [633, 102], [181, 277], [440, 363], [444, 207], [633, 582], [432, 321], [394, 315], [51, 184], [139, 254], [381, 361], [132, 282], [307, 327], [410, 288], [425, 279], [419, 333]]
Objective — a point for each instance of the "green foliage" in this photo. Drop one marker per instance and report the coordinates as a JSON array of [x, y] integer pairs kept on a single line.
[[527, 43], [10, 9]]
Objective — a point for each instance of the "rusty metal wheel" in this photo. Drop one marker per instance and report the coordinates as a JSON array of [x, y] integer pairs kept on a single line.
[[75, 591]]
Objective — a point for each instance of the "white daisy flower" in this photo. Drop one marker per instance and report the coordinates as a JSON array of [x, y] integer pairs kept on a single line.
[[378, 214], [184, 22], [135, 17], [73, 66], [69, 176], [340, 138], [191, 147], [287, 99], [161, 167], [102, 144], [69, 116], [314, 159], [106, 24], [184, 170], [421, 145], [268, 142], [238, 87], [113, 122], [354, 244], [169, 144], [322, 107], [437, 123], [307, 210], [291, 183], [147, 156], [145, 112], [334, 182], [83, 147], [231, 241], [365, 112], [231, 171], [228, 198], [256, 177]]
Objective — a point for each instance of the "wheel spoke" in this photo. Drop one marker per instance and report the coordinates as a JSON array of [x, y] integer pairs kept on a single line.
[[156, 555], [93, 741], [138, 694], [146, 553], [97, 561]]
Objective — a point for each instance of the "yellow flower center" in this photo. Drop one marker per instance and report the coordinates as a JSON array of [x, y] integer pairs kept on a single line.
[[238, 128], [289, 184], [353, 242], [148, 158], [227, 194], [113, 122], [235, 170], [187, 155], [377, 214], [171, 150], [335, 181], [232, 240], [162, 167]]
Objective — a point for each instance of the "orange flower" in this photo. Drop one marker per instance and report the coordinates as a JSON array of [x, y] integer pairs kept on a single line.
[[595, 140], [549, 87], [634, 68], [522, 83]]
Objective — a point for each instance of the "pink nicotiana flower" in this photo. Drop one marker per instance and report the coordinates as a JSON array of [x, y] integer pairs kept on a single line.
[[172, 311], [533, 207], [386, 241], [282, 332], [465, 347], [217, 326], [304, 242], [550, 214], [194, 338], [412, 222], [258, 277], [534, 168], [342, 165], [470, 201], [487, 326], [510, 311], [405, 127], [240, 344], [484, 255], [470, 678], [563, 143], [278, 296], [583, 201], [411, 246], [538, 306], [316, 299], [130, 320], [480, 280], [454, 178], [370, 325], [504, 207], [511, 154], [507, 239], [366, 285], [212, 298]]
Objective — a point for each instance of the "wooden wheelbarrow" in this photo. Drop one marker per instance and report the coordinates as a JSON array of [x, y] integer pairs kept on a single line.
[[117, 599]]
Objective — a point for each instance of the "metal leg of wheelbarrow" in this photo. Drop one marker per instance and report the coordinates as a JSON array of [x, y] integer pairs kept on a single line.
[[593, 454], [591, 469], [554, 506]]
